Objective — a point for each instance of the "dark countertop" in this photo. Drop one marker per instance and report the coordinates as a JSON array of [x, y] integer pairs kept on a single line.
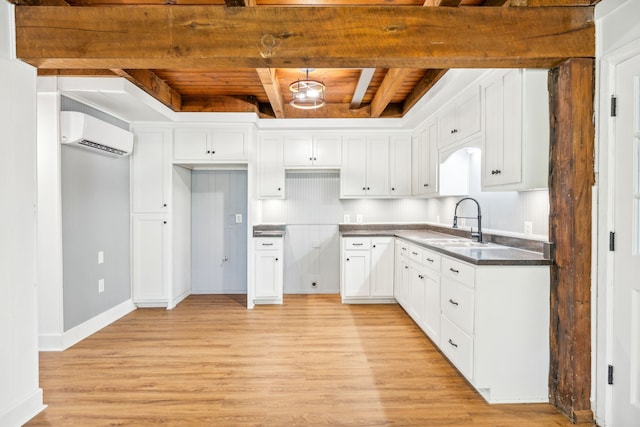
[[269, 230], [456, 246]]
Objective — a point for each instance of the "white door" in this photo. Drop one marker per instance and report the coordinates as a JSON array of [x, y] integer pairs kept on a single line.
[[626, 282]]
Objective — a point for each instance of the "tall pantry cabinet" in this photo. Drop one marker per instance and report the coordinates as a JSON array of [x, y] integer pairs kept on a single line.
[[152, 217]]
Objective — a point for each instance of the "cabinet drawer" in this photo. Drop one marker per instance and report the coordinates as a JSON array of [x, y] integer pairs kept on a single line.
[[456, 302], [415, 253], [402, 247], [268, 243], [457, 346], [431, 260], [356, 243], [459, 271]]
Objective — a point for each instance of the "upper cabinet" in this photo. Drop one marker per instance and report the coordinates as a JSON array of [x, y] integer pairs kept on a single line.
[[516, 121], [365, 166], [204, 144], [460, 118], [151, 170], [308, 151], [270, 167], [425, 159], [400, 165]]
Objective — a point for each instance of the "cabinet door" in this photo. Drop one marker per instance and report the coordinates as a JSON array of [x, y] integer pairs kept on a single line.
[[400, 166], [468, 113], [269, 273], [150, 261], [327, 150], [378, 166], [431, 316], [353, 177], [227, 145], [356, 268], [417, 292], [298, 151], [447, 125], [150, 165], [502, 157], [381, 284], [425, 158], [191, 144], [271, 168]]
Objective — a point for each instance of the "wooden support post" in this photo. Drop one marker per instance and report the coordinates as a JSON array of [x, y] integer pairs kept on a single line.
[[571, 177]]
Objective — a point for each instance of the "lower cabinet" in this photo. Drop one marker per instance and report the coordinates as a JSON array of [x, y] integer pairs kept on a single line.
[[269, 270], [491, 322], [150, 261], [367, 269]]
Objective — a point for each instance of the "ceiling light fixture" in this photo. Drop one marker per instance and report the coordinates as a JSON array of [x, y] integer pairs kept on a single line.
[[307, 94]]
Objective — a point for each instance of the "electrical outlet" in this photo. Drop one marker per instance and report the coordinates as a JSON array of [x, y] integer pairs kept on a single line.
[[238, 218], [528, 228], [100, 257], [438, 219], [100, 286], [346, 219], [359, 218]]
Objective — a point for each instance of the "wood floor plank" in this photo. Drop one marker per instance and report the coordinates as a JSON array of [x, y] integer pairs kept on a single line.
[[310, 362]]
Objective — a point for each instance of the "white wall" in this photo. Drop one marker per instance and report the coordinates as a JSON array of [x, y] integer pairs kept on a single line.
[[617, 35], [20, 395]]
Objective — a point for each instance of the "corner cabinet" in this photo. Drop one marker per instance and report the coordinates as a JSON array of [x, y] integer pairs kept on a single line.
[[269, 270], [425, 159], [516, 122], [461, 118], [367, 269]]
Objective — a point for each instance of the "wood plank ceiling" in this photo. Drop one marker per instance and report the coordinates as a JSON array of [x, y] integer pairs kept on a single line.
[[371, 83]]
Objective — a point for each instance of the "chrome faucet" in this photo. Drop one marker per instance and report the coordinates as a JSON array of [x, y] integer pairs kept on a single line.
[[477, 235]]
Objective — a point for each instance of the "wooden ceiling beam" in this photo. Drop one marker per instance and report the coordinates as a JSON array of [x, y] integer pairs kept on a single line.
[[271, 86], [329, 111], [197, 37], [227, 104], [152, 84], [390, 84], [425, 84], [76, 73]]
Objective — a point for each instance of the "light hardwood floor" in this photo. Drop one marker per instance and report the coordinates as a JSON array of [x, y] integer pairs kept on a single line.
[[311, 362]]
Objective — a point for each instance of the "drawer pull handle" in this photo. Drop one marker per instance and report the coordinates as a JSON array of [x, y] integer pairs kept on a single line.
[[404, 249], [453, 302], [406, 266], [452, 343], [357, 244], [267, 244], [429, 259], [415, 253], [454, 270]]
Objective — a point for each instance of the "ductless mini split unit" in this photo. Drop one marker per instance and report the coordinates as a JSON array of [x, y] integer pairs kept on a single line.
[[84, 131]]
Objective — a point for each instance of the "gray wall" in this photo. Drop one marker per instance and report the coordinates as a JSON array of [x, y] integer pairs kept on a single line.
[[95, 217]]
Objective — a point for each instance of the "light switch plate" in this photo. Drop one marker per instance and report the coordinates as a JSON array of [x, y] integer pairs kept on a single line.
[[100, 286], [100, 257]]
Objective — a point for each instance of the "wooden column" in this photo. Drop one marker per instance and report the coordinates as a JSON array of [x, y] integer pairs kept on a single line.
[[571, 177]]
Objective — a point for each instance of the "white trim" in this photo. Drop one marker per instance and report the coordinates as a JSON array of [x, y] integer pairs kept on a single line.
[[75, 335], [177, 300], [23, 410]]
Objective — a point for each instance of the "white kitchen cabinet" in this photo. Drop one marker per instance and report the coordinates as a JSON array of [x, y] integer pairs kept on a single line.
[[382, 262], [151, 170], [461, 118], [400, 165], [269, 270], [199, 144], [516, 142], [425, 159], [151, 255], [365, 166], [305, 151], [401, 277], [495, 328], [367, 269], [271, 176]]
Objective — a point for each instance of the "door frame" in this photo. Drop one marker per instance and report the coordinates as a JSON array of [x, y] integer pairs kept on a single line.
[[603, 222]]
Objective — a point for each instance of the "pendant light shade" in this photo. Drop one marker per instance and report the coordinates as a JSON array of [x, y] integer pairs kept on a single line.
[[307, 94]]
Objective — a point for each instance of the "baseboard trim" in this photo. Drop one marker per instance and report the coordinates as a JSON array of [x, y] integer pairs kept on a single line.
[[61, 342], [24, 410], [179, 299]]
